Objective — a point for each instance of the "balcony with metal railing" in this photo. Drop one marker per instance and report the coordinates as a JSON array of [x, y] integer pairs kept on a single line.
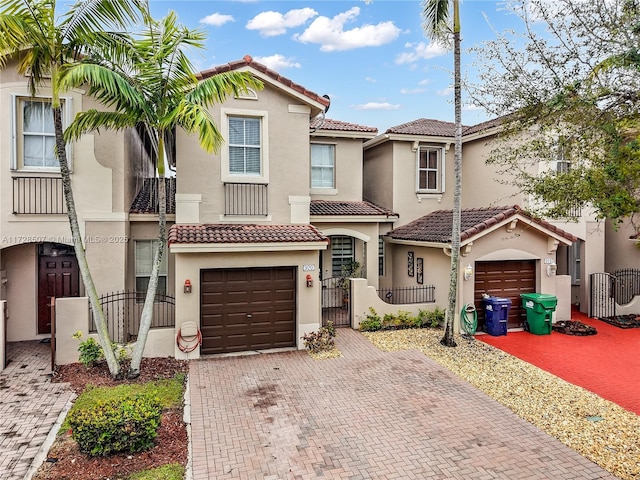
[[246, 199], [38, 196]]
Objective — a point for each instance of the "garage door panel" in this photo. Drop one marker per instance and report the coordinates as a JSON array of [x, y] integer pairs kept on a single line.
[[504, 279], [252, 309]]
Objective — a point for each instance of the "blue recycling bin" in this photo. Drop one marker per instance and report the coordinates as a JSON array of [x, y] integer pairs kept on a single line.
[[496, 315]]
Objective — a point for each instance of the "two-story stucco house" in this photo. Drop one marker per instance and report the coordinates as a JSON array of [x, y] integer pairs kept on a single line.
[[37, 260], [504, 251]]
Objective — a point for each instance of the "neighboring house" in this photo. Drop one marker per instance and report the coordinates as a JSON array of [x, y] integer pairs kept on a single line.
[[37, 259], [505, 252]]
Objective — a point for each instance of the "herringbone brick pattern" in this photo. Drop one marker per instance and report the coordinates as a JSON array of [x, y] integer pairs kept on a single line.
[[368, 415], [29, 406]]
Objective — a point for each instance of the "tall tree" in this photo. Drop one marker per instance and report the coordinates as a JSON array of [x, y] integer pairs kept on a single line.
[[151, 83], [568, 80], [43, 42], [439, 27]]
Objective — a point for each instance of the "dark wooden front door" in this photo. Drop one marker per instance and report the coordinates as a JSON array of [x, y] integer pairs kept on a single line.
[[506, 279], [247, 309], [57, 277]]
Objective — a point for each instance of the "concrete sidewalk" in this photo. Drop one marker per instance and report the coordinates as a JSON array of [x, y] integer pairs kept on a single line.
[[29, 407], [368, 415]]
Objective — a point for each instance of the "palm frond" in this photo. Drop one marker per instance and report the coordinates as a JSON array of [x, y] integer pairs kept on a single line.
[[219, 87], [436, 14], [93, 121], [89, 16], [195, 117]]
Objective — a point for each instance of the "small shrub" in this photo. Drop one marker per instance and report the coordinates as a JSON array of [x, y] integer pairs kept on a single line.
[[115, 424], [321, 340], [432, 319], [90, 350], [371, 323]]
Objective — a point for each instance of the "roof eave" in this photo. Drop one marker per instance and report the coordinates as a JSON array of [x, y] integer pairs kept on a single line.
[[176, 247]]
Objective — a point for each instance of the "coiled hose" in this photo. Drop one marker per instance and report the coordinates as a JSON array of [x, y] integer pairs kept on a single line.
[[469, 317]]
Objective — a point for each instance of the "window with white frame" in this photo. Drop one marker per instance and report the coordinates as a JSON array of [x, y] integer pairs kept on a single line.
[[323, 159], [34, 134], [563, 162], [574, 260], [244, 146], [429, 170], [145, 251], [341, 253], [380, 256]]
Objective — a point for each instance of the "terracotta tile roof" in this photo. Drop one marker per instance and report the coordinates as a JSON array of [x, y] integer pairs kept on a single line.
[[146, 200], [245, 233], [248, 61], [336, 207], [329, 124], [495, 122], [425, 126], [436, 226]]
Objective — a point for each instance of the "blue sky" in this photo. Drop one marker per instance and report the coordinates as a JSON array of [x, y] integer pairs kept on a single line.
[[370, 57]]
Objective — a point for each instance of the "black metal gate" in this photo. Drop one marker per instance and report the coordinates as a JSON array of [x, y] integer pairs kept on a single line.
[[336, 305], [609, 289], [603, 301]]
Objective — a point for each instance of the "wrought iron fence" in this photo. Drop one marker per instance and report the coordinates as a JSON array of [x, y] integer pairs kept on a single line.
[[38, 196], [627, 285], [123, 310], [246, 199], [336, 296], [399, 295]]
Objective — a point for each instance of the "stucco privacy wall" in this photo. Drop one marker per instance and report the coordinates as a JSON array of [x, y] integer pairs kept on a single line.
[[72, 315], [188, 266], [21, 265]]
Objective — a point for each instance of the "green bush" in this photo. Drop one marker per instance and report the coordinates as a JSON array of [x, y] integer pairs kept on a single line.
[[432, 319], [371, 323], [127, 423]]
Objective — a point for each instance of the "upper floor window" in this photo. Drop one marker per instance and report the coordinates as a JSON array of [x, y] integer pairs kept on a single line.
[[145, 251], [246, 156], [430, 170], [323, 159], [244, 146], [563, 162]]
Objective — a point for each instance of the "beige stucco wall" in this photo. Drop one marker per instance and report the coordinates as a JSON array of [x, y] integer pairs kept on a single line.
[[288, 158], [348, 170], [378, 175], [188, 266], [621, 251], [3, 334], [21, 265]]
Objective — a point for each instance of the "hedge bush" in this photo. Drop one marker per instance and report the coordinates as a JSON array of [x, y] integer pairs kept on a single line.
[[112, 425]]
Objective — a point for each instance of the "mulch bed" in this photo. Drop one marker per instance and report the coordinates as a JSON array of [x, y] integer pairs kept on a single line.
[[66, 462], [623, 321], [573, 327]]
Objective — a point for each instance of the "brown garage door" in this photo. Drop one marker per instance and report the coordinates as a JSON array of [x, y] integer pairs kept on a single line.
[[507, 279], [247, 309]]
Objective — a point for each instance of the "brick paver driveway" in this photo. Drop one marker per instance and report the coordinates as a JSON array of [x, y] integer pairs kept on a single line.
[[368, 415]]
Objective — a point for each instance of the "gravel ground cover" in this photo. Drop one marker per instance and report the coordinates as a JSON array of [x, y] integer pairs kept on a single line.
[[598, 429]]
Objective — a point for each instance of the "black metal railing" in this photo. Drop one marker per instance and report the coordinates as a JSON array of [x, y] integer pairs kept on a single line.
[[38, 196], [251, 199], [400, 295], [336, 296], [627, 285], [123, 310]]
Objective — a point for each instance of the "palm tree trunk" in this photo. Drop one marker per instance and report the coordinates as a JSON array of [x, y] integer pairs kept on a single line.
[[147, 310], [90, 289], [448, 339]]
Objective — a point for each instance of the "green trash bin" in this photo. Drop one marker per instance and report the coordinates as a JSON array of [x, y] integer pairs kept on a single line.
[[539, 308]]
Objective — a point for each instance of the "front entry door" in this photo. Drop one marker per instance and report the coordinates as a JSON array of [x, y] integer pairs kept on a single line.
[[57, 277]]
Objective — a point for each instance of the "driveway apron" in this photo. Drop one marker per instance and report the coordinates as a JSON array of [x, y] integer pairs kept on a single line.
[[367, 415], [29, 407]]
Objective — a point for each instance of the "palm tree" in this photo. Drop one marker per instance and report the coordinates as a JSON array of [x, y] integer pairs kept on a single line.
[[437, 27], [43, 42], [151, 84]]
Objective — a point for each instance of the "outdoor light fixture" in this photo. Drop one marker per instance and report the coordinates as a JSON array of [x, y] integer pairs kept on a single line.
[[468, 272]]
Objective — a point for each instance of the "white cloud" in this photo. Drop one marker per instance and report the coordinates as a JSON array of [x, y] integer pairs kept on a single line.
[[471, 108], [271, 23], [412, 91], [332, 36], [445, 92], [217, 19], [421, 51], [376, 106], [370, 80], [277, 62], [426, 81]]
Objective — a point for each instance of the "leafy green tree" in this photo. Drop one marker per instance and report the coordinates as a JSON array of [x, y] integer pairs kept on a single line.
[[567, 89], [43, 42], [149, 82], [439, 27]]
